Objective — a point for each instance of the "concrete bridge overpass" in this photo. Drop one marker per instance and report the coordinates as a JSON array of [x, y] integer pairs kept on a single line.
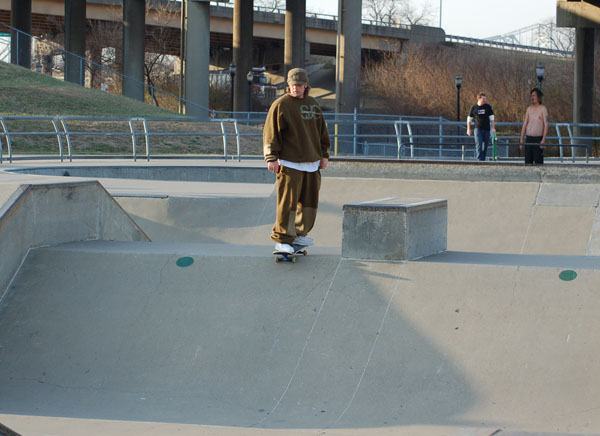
[[261, 38], [268, 30]]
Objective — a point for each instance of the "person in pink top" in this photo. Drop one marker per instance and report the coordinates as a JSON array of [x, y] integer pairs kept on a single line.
[[535, 129]]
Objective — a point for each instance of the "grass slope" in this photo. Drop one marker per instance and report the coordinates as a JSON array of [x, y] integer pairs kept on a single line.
[[24, 92]]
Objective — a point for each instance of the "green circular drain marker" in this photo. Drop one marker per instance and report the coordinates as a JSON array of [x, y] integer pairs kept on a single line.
[[184, 261], [567, 275]]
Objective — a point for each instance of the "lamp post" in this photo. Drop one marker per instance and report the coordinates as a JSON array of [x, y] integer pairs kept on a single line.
[[458, 83], [540, 73], [250, 77], [231, 76]]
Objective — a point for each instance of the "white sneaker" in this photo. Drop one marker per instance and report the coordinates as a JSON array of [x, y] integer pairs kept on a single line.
[[284, 248], [305, 241]]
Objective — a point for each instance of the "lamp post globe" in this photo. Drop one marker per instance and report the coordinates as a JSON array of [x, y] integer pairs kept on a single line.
[[540, 72], [458, 81]]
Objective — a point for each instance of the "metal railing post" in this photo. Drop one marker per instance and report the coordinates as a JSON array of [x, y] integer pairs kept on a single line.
[[147, 137], [335, 140], [132, 130], [571, 141], [355, 131], [412, 142], [237, 139], [68, 136], [224, 132], [58, 134], [398, 128], [560, 148], [462, 147], [8, 142], [441, 137], [587, 154]]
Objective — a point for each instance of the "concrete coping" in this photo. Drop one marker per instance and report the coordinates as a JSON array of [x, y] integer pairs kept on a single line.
[[402, 204]]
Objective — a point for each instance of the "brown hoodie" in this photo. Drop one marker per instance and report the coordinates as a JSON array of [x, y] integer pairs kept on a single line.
[[295, 130]]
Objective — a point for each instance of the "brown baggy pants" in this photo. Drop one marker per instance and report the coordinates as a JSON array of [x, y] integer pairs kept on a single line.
[[297, 202]]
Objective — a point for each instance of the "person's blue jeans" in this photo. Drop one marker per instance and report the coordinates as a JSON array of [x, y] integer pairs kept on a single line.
[[482, 142]]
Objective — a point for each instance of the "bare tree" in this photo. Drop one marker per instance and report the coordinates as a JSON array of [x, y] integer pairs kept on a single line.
[[557, 38], [158, 64], [397, 11], [270, 5], [104, 41], [422, 71]]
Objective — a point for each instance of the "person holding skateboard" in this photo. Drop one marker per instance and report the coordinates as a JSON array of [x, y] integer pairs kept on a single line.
[[535, 129], [296, 147], [482, 115]]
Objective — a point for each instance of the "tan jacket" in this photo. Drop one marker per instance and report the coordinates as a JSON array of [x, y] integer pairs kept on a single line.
[[295, 130]]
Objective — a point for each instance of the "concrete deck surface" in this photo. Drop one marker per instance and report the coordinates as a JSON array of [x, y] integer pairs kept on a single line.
[[491, 337]]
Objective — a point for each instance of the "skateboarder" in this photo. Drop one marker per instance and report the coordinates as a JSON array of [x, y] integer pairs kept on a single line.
[[296, 147]]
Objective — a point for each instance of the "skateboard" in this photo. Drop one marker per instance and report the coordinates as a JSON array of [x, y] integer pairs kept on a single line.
[[281, 256]]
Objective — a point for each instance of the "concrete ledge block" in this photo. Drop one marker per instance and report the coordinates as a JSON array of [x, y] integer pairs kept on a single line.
[[395, 228]]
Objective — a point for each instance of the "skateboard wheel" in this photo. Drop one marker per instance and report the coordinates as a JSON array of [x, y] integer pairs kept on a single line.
[[293, 260]]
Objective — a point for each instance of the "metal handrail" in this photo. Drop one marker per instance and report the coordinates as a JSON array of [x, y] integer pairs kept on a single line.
[[358, 134], [65, 134], [505, 140]]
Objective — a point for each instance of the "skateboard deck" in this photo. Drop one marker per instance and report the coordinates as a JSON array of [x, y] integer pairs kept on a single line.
[[281, 256]]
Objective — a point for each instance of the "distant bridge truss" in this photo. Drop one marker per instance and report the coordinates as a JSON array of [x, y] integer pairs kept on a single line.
[[544, 38], [544, 35]]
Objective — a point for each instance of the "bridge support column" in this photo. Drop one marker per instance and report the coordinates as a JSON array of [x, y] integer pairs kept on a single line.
[[295, 35], [584, 16], [134, 30], [197, 57], [348, 56], [75, 41], [243, 25], [20, 18], [583, 95]]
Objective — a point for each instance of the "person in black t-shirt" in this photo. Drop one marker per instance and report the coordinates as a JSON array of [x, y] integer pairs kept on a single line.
[[482, 115]]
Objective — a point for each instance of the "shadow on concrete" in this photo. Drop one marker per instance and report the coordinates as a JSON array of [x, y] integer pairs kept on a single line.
[[225, 341]]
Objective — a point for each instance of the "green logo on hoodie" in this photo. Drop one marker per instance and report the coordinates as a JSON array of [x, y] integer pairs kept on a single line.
[[309, 112]]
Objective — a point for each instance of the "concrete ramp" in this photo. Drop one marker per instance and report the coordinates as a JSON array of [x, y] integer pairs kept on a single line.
[[492, 217], [198, 334], [35, 215]]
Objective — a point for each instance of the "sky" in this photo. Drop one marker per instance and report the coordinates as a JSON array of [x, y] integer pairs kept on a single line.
[[475, 19]]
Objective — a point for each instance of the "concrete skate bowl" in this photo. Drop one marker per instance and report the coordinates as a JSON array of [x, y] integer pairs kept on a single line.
[[494, 333], [491, 208]]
